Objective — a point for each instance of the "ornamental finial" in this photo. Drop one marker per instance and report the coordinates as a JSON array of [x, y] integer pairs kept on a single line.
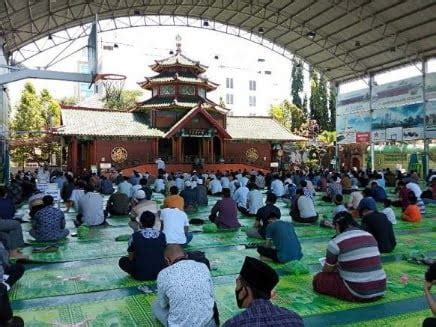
[[179, 43]]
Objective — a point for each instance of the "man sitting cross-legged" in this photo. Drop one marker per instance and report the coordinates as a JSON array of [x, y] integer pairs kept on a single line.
[[174, 200], [175, 225], [282, 244], [353, 269], [49, 222], [254, 289], [146, 250], [118, 204], [184, 291], [225, 213], [259, 228], [13, 272]]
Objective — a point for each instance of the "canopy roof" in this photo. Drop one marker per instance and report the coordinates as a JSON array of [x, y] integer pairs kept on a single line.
[[177, 78], [343, 39]]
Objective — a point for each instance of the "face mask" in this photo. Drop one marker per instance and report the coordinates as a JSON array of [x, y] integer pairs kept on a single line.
[[238, 300]]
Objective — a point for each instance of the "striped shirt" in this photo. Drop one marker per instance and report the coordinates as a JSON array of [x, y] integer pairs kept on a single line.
[[359, 264]]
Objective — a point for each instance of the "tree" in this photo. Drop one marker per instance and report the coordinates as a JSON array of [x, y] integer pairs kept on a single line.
[[34, 115], [319, 99], [297, 83], [126, 101], [288, 115], [327, 137], [332, 108], [68, 101]]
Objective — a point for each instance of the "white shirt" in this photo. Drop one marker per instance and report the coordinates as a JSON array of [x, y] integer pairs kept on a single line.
[[186, 287], [225, 182], [160, 164], [390, 214], [91, 207], [260, 181], [355, 198], [277, 187], [174, 221], [254, 201], [159, 185], [240, 196], [306, 207], [415, 189], [215, 186], [244, 181], [126, 188], [180, 183]]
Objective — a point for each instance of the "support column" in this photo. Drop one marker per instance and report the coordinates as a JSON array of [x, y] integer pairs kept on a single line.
[[371, 84], [179, 150], [174, 147], [74, 156], [94, 153], [155, 148], [425, 157], [212, 154], [4, 118]]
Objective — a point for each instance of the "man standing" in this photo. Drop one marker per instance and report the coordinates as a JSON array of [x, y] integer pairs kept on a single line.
[[353, 269], [175, 225], [184, 292], [254, 287], [160, 165]]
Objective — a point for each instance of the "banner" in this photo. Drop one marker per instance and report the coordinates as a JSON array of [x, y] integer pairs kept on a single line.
[[397, 93], [350, 102], [363, 137], [347, 126], [406, 116], [430, 120], [430, 86], [378, 135]]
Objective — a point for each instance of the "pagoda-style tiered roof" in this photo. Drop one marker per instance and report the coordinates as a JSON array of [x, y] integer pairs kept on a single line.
[[178, 85], [176, 78]]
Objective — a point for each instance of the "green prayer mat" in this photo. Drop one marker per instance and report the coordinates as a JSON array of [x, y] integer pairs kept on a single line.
[[127, 311], [410, 319], [66, 280], [73, 251]]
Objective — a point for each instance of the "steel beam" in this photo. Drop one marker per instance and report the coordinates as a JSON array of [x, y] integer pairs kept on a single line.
[[45, 74]]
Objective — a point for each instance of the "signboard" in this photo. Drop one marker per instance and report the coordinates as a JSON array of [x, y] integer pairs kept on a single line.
[[347, 126], [54, 193], [394, 134], [105, 165], [430, 120], [363, 137], [398, 93], [350, 102], [274, 164], [413, 133], [406, 116], [196, 132], [430, 86], [378, 135]]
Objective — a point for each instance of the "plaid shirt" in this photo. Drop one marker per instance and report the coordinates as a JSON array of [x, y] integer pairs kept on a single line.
[[262, 313]]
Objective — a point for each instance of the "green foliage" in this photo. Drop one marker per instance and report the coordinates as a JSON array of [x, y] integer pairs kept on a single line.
[[327, 137], [68, 101], [297, 83], [126, 101], [288, 115], [319, 100], [34, 114], [332, 109]]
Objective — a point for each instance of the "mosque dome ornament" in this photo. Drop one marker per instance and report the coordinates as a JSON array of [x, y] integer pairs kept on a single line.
[[119, 154], [251, 154]]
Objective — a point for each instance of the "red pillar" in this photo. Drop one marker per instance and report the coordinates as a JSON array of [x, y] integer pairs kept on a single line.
[[74, 158], [212, 154]]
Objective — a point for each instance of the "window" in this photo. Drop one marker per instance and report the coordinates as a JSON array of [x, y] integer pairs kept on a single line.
[[167, 89], [252, 85], [252, 101], [187, 89], [229, 83], [229, 98]]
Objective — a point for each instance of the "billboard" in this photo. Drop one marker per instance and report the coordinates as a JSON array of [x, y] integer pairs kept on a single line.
[[348, 126], [356, 101], [430, 120], [397, 93]]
